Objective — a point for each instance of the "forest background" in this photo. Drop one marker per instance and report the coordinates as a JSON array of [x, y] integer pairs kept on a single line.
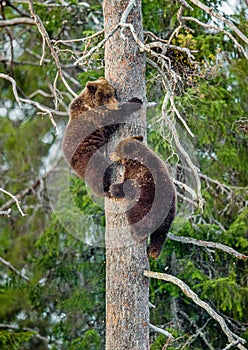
[[52, 279]]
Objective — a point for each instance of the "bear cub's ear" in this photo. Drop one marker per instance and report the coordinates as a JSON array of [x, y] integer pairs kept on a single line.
[[135, 100], [91, 86], [139, 138]]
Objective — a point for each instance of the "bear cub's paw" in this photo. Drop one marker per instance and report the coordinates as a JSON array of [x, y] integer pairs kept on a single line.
[[116, 191], [153, 252], [135, 100]]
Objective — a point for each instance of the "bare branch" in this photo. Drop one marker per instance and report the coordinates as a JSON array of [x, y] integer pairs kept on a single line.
[[46, 39], [160, 330], [80, 39], [192, 295], [169, 97], [12, 268], [16, 21], [44, 110], [222, 186], [13, 82], [175, 33], [127, 11], [40, 92], [213, 27], [207, 244], [163, 46], [229, 346], [152, 306], [121, 24], [94, 48], [15, 62], [181, 118], [5, 212], [15, 200], [186, 199], [183, 152], [27, 190], [185, 4], [229, 23], [185, 187], [199, 332]]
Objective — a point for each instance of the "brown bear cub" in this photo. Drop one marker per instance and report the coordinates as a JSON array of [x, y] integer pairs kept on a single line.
[[95, 115], [145, 177]]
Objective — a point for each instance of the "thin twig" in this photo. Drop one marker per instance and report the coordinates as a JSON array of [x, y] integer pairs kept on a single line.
[[199, 332], [42, 108], [175, 33], [14, 199], [27, 190], [185, 187], [13, 82], [12, 268], [40, 92], [183, 153], [122, 24], [46, 39], [181, 118], [98, 46], [80, 39], [44, 111]]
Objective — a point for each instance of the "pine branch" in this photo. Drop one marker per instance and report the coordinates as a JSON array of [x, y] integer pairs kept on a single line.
[[25, 329], [192, 295]]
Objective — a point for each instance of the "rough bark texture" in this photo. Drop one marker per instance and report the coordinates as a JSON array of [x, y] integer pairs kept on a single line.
[[127, 291]]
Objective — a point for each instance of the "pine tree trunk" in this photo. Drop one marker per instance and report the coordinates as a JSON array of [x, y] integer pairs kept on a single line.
[[127, 290]]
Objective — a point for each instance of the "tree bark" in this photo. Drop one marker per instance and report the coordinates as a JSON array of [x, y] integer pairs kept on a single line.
[[127, 290]]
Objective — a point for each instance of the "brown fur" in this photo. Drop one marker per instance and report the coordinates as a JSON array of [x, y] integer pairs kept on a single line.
[[96, 93], [147, 177], [95, 115]]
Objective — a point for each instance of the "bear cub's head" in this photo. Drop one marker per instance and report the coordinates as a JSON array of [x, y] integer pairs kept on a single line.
[[127, 149], [95, 94]]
